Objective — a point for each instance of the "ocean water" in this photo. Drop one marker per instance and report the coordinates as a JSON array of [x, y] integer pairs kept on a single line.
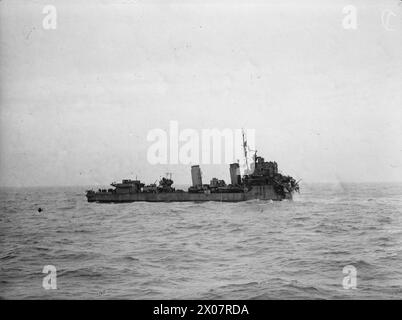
[[250, 250]]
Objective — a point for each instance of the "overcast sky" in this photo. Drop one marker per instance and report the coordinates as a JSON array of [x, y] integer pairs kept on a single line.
[[77, 102]]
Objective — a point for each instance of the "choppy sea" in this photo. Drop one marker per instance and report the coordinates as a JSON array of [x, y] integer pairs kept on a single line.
[[250, 250]]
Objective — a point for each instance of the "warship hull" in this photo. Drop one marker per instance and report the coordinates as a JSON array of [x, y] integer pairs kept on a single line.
[[266, 192]]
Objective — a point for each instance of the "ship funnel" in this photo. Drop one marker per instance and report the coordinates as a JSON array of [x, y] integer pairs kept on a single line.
[[235, 177], [196, 176]]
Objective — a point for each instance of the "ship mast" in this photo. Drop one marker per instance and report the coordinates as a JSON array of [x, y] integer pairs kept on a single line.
[[245, 148]]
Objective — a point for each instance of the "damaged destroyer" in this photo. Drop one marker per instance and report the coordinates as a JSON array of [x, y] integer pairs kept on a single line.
[[261, 181]]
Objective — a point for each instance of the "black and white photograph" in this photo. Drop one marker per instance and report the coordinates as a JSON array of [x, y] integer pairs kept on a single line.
[[200, 150]]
